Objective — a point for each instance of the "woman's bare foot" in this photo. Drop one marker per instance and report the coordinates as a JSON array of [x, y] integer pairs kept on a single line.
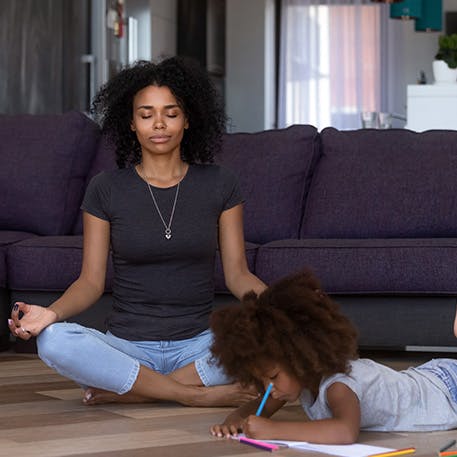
[[93, 396], [224, 395]]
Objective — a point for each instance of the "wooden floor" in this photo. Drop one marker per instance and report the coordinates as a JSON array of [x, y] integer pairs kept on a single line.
[[41, 414]]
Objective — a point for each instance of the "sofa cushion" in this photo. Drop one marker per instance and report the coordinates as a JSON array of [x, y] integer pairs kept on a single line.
[[274, 169], [366, 266], [47, 263], [219, 281], [10, 236], [45, 160], [383, 183], [52, 263]]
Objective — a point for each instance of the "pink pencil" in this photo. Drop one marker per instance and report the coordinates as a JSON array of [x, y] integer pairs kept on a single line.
[[259, 444]]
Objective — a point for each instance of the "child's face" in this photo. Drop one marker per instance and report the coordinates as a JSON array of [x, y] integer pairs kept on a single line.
[[286, 386]]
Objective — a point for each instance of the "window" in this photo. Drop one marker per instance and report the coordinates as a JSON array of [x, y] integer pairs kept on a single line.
[[330, 62]]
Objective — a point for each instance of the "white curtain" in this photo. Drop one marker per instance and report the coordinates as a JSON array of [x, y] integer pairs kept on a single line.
[[330, 62]]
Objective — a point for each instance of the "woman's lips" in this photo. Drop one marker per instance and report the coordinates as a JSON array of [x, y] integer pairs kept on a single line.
[[159, 139]]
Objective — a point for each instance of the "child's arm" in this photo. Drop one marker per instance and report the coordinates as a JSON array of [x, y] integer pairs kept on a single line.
[[233, 423], [342, 428]]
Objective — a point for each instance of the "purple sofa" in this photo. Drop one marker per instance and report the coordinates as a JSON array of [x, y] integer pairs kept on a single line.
[[372, 212]]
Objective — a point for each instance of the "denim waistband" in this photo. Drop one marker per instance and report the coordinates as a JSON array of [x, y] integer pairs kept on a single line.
[[446, 371]]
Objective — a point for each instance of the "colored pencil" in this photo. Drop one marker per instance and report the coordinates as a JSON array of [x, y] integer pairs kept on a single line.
[[408, 450], [447, 446], [264, 399], [259, 444], [447, 453]]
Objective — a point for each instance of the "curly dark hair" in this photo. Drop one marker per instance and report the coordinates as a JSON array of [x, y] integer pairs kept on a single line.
[[194, 92], [294, 323]]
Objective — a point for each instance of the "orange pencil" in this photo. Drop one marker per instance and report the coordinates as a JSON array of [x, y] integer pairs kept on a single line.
[[447, 453], [408, 450]]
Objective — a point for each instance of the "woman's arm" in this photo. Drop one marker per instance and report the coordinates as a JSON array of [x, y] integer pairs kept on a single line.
[[342, 428], [234, 422], [86, 290], [90, 285], [455, 323], [238, 278]]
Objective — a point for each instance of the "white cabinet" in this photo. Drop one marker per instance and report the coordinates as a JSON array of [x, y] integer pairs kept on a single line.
[[431, 106]]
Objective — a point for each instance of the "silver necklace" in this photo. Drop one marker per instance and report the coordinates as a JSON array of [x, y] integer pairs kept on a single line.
[[167, 226]]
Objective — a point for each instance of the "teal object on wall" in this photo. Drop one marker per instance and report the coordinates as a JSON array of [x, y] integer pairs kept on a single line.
[[407, 9], [431, 19]]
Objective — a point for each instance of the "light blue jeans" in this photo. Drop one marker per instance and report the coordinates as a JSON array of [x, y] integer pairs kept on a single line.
[[95, 359], [446, 370]]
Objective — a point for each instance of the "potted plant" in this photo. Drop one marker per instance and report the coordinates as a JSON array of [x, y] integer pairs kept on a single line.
[[445, 63]]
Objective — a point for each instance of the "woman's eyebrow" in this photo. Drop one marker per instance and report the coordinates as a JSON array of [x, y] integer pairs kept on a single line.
[[151, 106]]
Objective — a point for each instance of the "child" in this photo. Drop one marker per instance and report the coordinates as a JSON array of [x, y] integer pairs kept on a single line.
[[293, 336]]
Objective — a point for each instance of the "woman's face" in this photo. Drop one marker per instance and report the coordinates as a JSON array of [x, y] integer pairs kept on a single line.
[[286, 386], [158, 121]]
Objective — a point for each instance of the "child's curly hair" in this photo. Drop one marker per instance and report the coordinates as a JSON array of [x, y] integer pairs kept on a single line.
[[194, 92], [293, 323]]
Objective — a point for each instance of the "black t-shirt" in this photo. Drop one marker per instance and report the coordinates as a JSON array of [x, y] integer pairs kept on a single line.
[[163, 289]]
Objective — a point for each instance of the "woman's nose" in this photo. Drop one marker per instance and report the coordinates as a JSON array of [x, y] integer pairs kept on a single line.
[[159, 123]]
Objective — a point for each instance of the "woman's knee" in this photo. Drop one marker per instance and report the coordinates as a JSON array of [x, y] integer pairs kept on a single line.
[[53, 340]]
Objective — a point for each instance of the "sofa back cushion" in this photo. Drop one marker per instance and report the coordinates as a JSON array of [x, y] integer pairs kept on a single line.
[[44, 163], [383, 183], [274, 168]]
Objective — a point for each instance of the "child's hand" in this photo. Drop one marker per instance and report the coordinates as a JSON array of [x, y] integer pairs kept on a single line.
[[258, 427], [231, 427]]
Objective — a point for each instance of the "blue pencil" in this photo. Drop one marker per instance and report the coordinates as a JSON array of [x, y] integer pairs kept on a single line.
[[264, 399]]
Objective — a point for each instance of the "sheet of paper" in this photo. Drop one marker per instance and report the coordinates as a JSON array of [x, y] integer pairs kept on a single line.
[[344, 450]]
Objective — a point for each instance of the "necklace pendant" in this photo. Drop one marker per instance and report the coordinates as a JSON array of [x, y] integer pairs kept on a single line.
[[168, 233]]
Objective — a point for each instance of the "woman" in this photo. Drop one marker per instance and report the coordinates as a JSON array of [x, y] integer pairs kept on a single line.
[[162, 213]]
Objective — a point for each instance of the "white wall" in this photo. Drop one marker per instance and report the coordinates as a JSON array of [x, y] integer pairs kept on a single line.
[[250, 65]]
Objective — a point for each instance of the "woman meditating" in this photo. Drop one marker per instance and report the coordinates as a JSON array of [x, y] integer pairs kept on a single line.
[[163, 214]]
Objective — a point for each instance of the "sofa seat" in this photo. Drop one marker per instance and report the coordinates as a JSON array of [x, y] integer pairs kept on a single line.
[[8, 237], [366, 266], [47, 263], [52, 263]]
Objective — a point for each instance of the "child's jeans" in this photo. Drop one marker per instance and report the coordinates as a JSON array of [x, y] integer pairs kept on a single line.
[[94, 359], [446, 370]]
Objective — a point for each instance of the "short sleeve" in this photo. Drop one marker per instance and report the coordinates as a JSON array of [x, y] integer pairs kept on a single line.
[[345, 379], [231, 191], [97, 197]]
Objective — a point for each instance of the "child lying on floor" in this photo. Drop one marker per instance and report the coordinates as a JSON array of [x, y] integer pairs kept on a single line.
[[294, 336]]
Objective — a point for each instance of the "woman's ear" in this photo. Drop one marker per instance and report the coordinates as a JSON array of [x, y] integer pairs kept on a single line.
[[132, 126], [186, 124]]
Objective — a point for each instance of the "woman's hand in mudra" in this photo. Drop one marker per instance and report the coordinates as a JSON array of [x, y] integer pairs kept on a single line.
[[29, 320]]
